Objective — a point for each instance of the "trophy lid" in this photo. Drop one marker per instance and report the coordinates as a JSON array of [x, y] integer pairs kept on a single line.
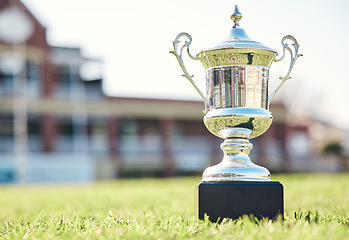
[[238, 38]]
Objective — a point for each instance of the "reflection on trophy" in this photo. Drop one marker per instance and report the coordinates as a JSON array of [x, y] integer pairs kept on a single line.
[[237, 109]]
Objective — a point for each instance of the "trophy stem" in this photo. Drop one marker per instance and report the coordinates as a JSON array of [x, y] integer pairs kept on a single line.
[[236, 164]]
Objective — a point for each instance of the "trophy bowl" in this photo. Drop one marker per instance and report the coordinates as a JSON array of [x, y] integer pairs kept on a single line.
[[237, 99]]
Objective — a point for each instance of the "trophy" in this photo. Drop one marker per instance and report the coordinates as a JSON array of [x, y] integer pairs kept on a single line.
[[237, 109]]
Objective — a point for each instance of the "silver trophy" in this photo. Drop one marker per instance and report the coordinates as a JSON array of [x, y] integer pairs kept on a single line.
[[237, 101]]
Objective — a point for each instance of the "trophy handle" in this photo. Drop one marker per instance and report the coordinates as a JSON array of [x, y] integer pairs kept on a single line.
[[293, 60], [181, 63]]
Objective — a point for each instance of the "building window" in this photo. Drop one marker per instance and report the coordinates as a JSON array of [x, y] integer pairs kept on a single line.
[[9, 84], [6, 133], [97, 134], [93, 89], [129, 139], [68, 82], [65, 135], [6, 84], [33, 75], [34, 133]]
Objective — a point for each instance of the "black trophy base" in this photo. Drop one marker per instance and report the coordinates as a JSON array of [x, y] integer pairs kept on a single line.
[[233, 199]]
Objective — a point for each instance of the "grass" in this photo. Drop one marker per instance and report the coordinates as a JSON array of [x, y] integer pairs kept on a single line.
[[316, 207]]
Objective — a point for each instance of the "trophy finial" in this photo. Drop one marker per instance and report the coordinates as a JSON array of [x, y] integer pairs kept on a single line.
[[236, 16]]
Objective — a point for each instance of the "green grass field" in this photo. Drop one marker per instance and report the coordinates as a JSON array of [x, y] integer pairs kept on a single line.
[[316, 207]]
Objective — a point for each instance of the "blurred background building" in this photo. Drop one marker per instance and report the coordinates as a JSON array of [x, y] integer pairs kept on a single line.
[[56, 123]]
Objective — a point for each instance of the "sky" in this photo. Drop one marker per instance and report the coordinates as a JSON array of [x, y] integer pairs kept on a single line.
[[134, 37]]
